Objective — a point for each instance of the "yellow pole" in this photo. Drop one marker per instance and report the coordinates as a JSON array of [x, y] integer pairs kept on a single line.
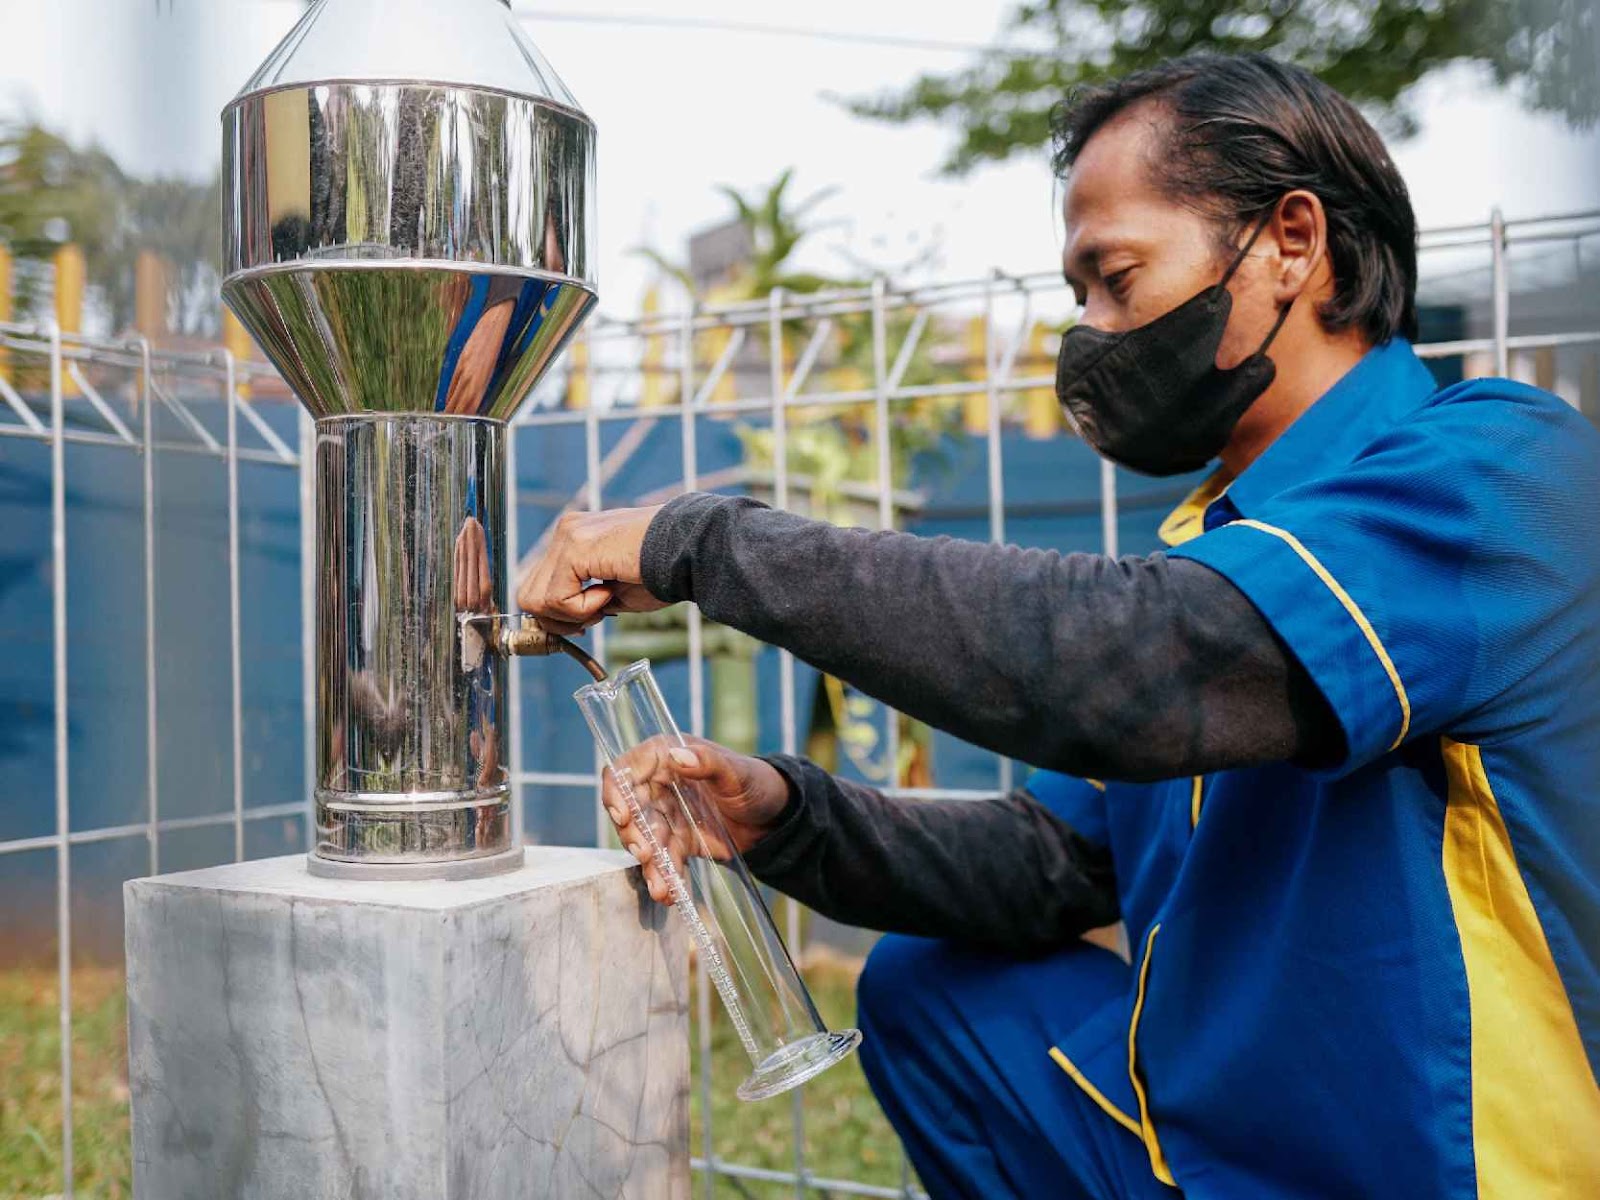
[[578, 374], [1041, 411], [71, 273], [655, 389], [150, 295], [236, 341], [975, 408], [714, 343]]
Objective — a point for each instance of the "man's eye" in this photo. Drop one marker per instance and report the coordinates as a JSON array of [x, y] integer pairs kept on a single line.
[[1117, 282]]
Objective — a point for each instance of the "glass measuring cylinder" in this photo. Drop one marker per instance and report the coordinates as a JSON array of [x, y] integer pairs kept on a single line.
[[712, 889]]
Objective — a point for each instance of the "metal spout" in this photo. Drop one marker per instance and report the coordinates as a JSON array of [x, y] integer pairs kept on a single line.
[[519, 637]]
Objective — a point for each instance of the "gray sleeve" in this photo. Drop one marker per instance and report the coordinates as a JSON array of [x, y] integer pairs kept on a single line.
[[1004, 874], [1131, 669]]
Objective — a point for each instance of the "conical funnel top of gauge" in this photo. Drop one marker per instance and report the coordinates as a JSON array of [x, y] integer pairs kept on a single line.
[[765, 999], [409, 208]]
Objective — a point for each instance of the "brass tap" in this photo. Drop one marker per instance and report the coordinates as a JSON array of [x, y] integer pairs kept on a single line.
[[524, 638]]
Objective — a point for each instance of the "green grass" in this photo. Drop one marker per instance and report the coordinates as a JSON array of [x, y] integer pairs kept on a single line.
[[846, 1136], [30, 1085]]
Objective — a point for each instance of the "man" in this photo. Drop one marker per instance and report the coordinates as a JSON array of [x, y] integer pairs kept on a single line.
[[1331, 759]]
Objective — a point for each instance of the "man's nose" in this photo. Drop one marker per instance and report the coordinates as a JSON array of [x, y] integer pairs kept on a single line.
[[1098, 322]]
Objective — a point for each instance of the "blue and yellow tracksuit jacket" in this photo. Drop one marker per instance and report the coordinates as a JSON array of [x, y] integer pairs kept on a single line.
[[1382, 978]]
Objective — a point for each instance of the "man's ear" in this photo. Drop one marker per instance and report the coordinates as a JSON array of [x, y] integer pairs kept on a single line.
[[1300, 228]]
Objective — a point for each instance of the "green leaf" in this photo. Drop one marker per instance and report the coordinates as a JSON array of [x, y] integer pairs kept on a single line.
[[1547, 51]]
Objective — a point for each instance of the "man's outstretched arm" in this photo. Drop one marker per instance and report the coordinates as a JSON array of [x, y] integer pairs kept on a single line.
[[1133, 668], [1005, 874]]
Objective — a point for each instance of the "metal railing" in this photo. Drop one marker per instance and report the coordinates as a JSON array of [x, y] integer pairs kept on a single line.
[[67, 358], [769, 360]]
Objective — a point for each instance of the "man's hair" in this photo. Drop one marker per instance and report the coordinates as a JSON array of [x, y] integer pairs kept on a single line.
[[1242, 131]]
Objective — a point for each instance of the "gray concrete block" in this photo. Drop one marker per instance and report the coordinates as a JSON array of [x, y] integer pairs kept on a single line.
[[301, 1038]]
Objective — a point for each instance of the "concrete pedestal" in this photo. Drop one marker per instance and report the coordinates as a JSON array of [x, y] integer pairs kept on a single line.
[[514, 1037]]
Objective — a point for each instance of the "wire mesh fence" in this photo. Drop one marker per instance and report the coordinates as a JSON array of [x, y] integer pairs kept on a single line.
[[158, 683]]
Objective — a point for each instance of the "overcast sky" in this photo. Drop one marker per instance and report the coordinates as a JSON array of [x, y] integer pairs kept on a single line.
[[681, 111]]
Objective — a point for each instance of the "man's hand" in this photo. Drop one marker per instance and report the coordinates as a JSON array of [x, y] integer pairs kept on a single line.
[[748, 794], [473, 583], [484, 743], [603, 546]]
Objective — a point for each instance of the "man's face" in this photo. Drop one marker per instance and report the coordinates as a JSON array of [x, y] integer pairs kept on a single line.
[[1133, 254]]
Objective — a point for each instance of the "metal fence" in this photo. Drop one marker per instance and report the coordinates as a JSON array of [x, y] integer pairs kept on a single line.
[[45, 376], [966, 358]]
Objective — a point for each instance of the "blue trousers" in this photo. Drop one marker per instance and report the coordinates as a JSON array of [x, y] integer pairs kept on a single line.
[[957, 1049]]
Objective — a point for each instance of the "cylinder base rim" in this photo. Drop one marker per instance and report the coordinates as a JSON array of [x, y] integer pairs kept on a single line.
[[391, 872]]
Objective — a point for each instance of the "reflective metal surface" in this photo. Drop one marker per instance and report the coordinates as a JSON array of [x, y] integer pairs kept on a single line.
[[455, 868], [379, 836], [408, 247], [411, 704], [408, 194], [474, 42]]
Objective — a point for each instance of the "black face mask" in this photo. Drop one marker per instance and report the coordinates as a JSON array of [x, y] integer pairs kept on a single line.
[[1153, 399]]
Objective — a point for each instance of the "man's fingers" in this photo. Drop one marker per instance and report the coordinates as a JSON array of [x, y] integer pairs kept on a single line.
[[530, 589], [659, 890], [630, 598], [692, 764], [458, 577], [683, 845], [616, 805], [480, 553], [560, 628], [488, 752], [583, 546], [578, 610], [649, 771], [588, 605], [705, 763]]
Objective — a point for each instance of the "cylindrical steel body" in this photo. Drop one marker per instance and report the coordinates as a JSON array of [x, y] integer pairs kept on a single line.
[[411, 702]]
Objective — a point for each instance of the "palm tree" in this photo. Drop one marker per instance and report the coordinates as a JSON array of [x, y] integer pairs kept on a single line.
[[53, 192], [831, 450], [776, 230]]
